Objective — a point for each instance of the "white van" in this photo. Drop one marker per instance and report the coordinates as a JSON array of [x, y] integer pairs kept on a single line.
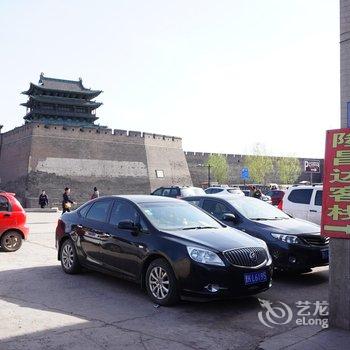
[[303, 202]]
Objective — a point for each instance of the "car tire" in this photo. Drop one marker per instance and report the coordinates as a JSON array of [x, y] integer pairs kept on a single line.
[[161, 283], [11, 241], [69, 258]]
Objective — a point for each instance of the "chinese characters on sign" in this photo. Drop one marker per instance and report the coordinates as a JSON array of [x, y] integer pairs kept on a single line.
[[336, 188]]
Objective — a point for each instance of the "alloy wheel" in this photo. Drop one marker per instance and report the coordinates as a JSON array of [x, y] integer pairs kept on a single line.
[[67, 256], [159, 283]]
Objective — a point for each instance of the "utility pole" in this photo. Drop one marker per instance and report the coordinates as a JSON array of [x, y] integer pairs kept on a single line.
[[209, 179]]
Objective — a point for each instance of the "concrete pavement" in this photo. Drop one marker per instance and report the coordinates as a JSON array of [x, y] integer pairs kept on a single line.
[[43, 308]]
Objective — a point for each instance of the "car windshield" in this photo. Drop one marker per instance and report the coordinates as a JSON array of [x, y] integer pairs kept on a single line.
[[192, 191], [256, 209], [177, 216]]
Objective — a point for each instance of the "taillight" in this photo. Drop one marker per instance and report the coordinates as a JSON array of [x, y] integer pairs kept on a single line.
[[280, 204], [60, 226]]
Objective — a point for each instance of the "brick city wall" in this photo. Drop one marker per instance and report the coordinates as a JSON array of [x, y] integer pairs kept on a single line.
[[36, 156], [52, 157], [199, 173]]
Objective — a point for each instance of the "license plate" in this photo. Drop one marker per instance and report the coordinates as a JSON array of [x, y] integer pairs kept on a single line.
[[255, 277], [325, 254]]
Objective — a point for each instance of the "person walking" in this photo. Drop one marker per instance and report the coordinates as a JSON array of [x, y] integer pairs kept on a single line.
[[252, 190], [43, 200], [257, 193], [67, 201], [95, 194]]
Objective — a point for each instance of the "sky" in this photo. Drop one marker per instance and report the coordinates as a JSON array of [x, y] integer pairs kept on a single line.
[[223, 75]]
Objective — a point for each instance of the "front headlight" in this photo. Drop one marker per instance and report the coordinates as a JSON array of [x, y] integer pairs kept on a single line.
[[204, 256], [286, 238]]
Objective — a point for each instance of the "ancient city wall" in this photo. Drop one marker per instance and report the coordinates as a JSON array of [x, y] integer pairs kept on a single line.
[[116, 161], [165, 153], [199, 173], [15, 147]]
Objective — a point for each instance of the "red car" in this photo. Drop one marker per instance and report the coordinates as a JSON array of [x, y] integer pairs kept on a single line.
[[13, 223]]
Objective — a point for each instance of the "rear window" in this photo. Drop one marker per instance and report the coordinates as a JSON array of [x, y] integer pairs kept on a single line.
[[216, 190], [4, 204], [301, 196], [174, 192], [158, 192], [318, 198], [166, 192]]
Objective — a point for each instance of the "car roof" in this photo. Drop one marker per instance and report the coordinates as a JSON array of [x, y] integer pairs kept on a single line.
[[226, 197], [4, 193], [224, 188], [294, 187], [139, 198]]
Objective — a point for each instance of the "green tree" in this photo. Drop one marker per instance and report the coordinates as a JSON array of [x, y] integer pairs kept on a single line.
[[289, 170], [259, 165], [219, 167]]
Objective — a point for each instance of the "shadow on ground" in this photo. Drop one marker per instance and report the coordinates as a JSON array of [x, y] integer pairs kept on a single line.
[[93, 310]]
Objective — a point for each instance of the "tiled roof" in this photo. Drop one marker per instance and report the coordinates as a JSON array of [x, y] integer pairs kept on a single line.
[[63, 101], [53, 84]]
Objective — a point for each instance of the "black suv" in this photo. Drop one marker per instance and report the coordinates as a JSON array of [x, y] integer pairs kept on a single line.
[[178, 191]]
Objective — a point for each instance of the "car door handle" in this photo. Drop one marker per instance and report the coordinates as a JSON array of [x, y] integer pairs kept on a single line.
[[7, 215], [104, 235], [313, 211]]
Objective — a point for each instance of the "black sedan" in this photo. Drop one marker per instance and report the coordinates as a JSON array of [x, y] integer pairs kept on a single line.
[[170, 247], [294, 244]]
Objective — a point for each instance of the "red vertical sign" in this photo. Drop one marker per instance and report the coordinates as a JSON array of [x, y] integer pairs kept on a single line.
[[336, 185]]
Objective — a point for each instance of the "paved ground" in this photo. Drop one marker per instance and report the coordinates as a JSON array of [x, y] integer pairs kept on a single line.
[[43, 308]]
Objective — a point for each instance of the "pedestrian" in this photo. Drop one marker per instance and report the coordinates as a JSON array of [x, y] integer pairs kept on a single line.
[[257, 193], [67, 201], [43, 200], [95, 194], [252, 190]]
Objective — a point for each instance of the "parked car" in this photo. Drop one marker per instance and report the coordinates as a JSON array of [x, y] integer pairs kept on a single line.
[[13, 226], [294, 244], [303, 202], [276, 196], [236, 191], [178, 191], [169, 246]]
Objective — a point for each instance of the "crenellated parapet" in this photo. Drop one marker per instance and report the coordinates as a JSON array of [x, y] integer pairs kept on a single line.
[[91, 132]]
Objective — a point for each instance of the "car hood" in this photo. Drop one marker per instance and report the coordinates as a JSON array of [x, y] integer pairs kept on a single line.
[[290, 226], [220, 239]]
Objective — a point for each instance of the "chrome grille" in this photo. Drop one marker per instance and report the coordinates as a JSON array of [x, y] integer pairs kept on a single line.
[[246, 257], [315, 240]]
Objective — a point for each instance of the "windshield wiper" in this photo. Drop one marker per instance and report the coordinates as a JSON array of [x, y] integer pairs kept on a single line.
[[262, 219], [198, 228]]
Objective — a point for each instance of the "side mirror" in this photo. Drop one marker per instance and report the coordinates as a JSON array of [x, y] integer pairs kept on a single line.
[[127, 225], [229, 217]]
